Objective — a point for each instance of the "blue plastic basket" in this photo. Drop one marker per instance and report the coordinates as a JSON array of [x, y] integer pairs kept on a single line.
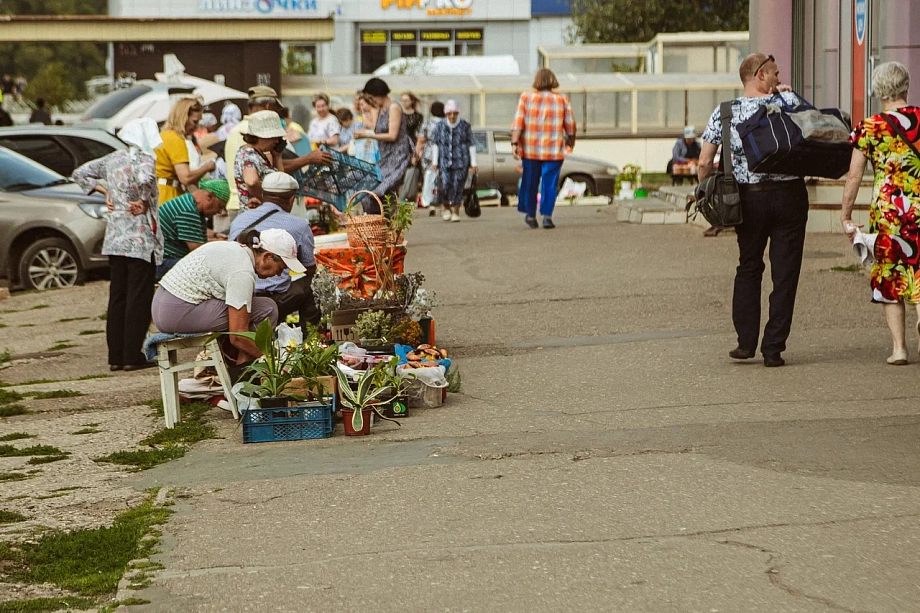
[[336, 184], [295, 423]]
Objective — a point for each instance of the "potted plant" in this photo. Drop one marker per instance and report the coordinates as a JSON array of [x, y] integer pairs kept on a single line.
[[372, 329], [359, 404], [313, 368], [628, 180], [399, 215], [397, 385], [267, 377]]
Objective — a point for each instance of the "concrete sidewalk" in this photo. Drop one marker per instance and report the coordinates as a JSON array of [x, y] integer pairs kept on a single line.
[[604, 454]]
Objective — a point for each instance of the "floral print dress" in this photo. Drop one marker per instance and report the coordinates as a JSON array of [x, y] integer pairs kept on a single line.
[[248, 157], [895, 210]]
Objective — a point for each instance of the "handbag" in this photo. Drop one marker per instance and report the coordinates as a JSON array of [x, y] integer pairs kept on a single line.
[[471, 199], [797, 140], [409, 189], [718, 198]]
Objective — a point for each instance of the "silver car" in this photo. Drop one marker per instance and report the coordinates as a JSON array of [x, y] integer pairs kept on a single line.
[[51, 233], [60, 148]]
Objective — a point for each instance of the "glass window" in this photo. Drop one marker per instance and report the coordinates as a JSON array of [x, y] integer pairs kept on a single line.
[[481, 140], [86, 148], [502, 143], [43, 149], [299, 60], [372, 58], [18, 173], [107, 106]]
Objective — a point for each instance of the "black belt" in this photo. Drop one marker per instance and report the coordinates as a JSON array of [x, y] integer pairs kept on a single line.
[[768, 186]]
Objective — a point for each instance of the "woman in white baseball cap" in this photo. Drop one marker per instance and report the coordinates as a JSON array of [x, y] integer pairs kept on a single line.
[[211, 289], [260, 155]]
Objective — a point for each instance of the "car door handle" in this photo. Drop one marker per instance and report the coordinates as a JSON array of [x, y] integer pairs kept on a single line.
[[499, 159]]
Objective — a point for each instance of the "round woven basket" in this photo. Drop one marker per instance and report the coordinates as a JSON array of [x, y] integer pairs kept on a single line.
[[366, 230]]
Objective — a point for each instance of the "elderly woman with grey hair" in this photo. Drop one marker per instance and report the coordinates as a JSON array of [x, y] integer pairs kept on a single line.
[[890, 141]]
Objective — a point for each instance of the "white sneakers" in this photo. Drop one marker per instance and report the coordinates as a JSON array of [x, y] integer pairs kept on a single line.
[[454, 217], [446, 215]]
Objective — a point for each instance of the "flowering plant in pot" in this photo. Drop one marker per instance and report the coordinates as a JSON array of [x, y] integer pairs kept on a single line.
[[313, 367], [358, 404]]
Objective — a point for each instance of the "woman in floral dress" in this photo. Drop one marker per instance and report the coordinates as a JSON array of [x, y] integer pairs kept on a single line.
[[133, 240], [395, 145], [894, 214]]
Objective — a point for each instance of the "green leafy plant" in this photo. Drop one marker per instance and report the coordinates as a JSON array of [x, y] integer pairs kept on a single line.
[[631, 173], [407, 331], [366, 397], [387, 376], [312, 360], [266, 377], [399, 215], [372, 325]]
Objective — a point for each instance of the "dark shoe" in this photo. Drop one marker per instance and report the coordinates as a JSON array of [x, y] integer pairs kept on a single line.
[[133, 367], [548, 223], [432, 212], [773, 360], [741, 354], [114, 367], [532, 222], [713, 231]]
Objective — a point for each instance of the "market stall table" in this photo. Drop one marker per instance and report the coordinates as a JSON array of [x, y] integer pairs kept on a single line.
[[355, 266]]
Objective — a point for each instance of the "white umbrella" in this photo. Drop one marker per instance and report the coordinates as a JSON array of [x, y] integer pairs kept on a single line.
[[209, 91]]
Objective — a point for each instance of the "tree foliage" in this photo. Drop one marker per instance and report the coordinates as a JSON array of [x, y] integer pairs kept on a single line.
[[51, 84], [622, 21], [82, 60]]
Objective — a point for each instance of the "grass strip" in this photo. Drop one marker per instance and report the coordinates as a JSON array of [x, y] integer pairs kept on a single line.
[[60, 347], [88, 332], [86, 431], [47, 605], [169, 443], [88, 562], [11, 410], [55, 394], [8, 451], [48, 459], [8, 396], [66, 319], [11, 517], [7, 477], [16, 436]]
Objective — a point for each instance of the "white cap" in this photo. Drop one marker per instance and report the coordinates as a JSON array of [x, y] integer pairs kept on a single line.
[[266, 124], [282, 244], [279, 183], [451, 106], [689, 131]]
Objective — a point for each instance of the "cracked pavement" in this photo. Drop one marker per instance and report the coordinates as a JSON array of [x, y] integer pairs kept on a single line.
[[604, 454]]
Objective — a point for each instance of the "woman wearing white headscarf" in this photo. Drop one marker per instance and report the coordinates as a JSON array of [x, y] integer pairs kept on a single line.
[[133, 240], [230, 116]]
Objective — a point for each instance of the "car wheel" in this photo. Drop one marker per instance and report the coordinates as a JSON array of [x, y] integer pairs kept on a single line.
[[50, 263], [590, 190]]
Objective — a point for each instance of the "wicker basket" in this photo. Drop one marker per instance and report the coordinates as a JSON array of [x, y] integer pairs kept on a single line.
[[366, 230]]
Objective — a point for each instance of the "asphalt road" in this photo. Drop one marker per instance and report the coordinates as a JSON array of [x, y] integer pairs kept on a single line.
[[604, 455]]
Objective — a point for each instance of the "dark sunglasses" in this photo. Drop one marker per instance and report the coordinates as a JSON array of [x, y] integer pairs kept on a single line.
[[770, 58]]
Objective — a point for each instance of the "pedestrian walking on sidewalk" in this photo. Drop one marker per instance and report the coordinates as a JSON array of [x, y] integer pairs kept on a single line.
[[133, 239], [453, 155], [543, 127], [393, 139], [775, 210], [423, 151], [891, 141]]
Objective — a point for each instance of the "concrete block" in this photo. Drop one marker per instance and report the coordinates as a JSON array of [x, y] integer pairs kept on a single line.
[[675, 217], [649, 217]]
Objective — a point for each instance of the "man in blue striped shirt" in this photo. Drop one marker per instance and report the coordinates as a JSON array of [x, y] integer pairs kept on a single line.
[[279, 190]]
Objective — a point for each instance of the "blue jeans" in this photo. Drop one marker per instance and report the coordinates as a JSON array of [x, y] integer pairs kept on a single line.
[[535, 171], [163, 268]]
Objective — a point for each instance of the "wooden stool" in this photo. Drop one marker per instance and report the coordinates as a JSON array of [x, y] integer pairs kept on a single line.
[[167, 359]]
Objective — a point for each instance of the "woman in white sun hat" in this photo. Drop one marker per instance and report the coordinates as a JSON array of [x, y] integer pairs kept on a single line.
[[260, 155], [211, 289]]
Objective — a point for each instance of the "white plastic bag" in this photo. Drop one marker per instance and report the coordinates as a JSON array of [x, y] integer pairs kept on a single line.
[[572, 189]]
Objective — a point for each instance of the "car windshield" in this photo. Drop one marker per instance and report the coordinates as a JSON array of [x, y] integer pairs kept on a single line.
[[19, 173], [108, 105]]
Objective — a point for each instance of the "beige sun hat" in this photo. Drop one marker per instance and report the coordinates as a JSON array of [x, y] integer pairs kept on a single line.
[[266, 124]]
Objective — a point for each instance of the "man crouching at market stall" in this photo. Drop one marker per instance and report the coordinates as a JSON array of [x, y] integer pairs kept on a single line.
[[279, 190]]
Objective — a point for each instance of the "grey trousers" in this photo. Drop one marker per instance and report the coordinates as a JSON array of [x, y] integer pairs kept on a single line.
[[175, 316]]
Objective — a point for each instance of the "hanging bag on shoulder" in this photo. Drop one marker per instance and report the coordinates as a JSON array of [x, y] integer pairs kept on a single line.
[[796, 139], [718, 199], [895, 125]]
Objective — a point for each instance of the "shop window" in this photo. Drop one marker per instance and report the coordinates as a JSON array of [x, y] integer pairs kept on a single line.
[[299, 60], [469, 49]]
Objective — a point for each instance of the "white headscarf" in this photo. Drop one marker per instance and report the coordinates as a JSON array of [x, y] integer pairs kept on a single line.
[[142, 134], [230, 116]]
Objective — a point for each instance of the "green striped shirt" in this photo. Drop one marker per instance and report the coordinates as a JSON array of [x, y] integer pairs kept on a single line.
[[181, 222]]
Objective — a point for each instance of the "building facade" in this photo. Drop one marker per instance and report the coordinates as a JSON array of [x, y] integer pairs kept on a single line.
[[828, 49], [369, 33]]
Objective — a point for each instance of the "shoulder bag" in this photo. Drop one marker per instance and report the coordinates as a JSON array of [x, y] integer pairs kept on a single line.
[[896, 126], [718, 199]]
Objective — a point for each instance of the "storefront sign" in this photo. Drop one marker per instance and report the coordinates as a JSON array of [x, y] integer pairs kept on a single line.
[[468, 35], [434, 8], [437, 35], [373, 37], [404, 36], [264, 7]]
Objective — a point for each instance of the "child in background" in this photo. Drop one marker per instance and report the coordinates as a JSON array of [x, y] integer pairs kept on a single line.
[[349, 125]]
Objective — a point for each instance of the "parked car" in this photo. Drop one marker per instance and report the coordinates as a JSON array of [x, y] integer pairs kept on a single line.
[[60, 148], [498, 168], [51, 233]]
